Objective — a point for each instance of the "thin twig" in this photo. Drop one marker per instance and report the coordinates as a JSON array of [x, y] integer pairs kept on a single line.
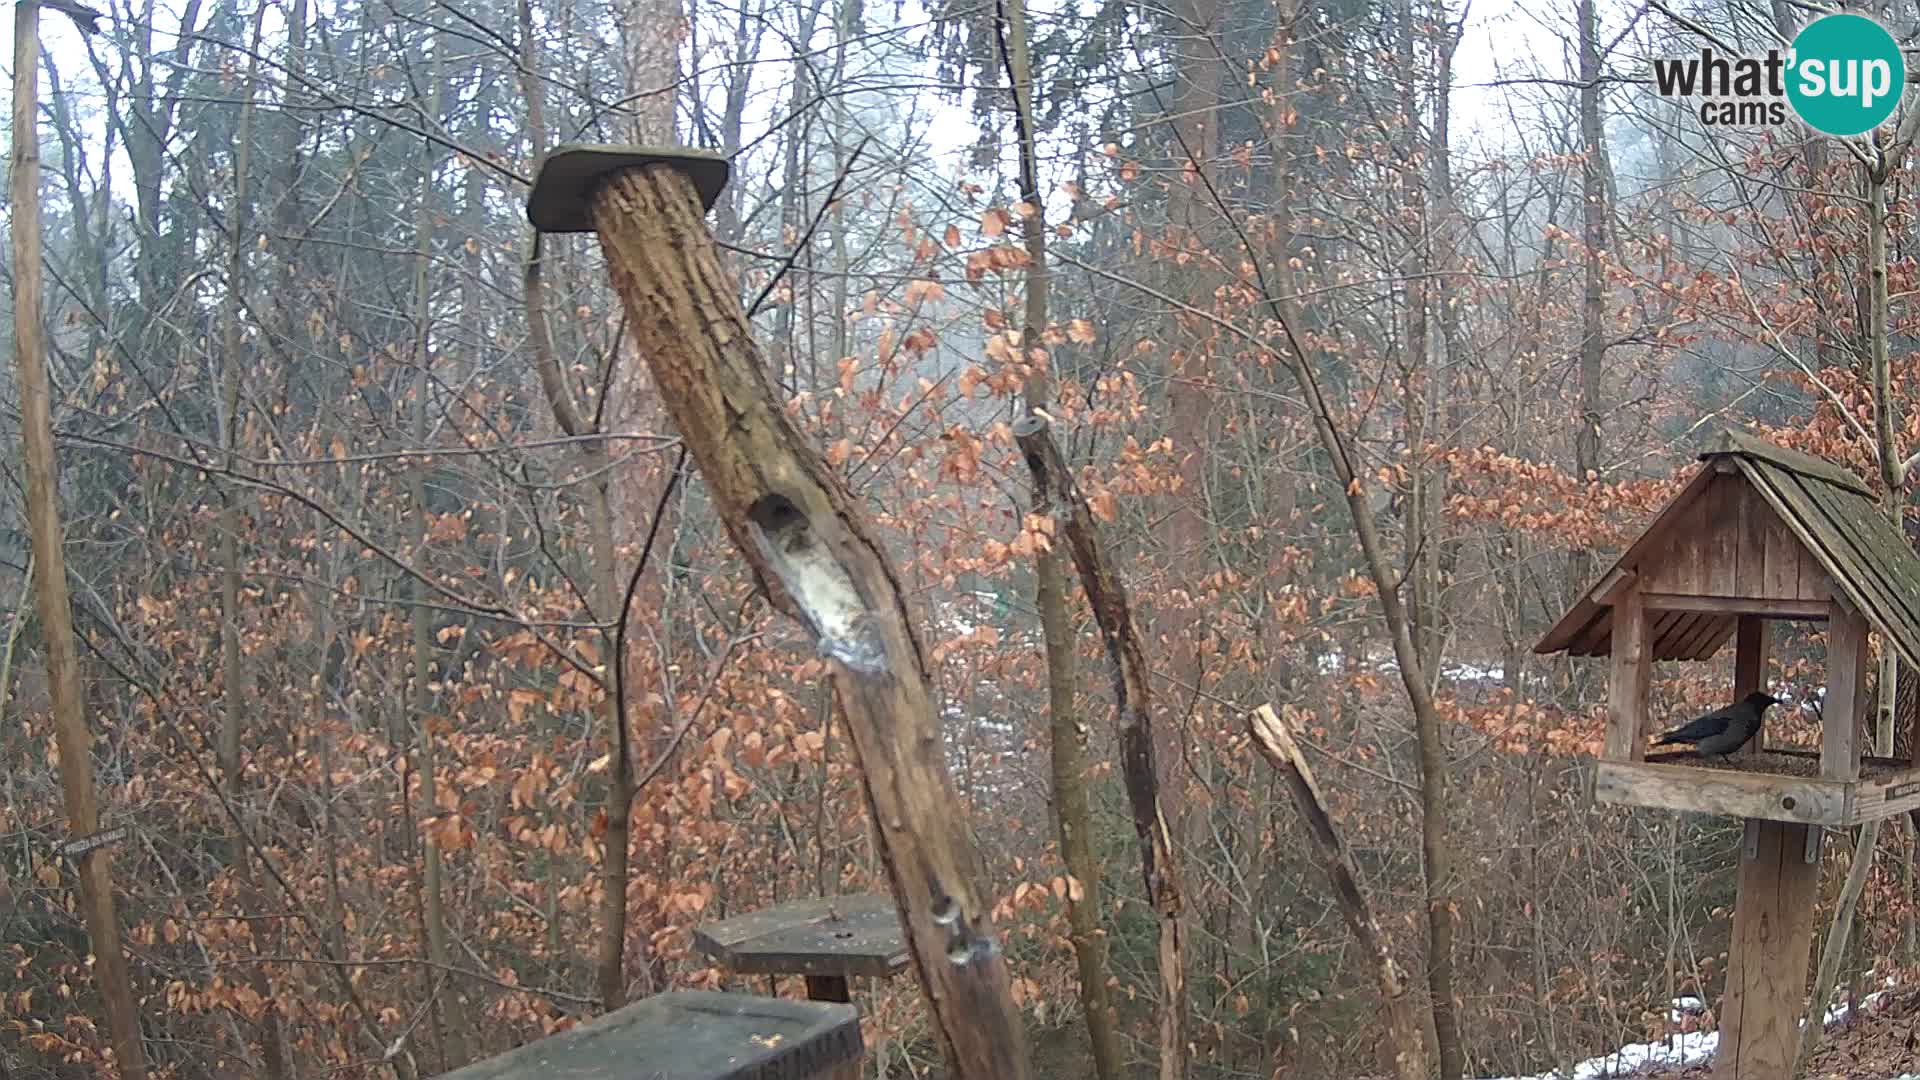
[[793, 256], [619, 661]]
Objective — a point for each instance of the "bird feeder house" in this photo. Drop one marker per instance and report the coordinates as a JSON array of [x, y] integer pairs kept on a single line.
[[1759, 534]]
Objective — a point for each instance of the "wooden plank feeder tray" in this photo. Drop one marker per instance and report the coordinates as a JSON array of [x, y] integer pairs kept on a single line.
[[694, 1035], [828, 941], [1760, 534], [1772, 784]]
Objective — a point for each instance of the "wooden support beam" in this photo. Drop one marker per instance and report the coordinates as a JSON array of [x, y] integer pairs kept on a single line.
[[1753, 639], [1734, 605], [1767, 958], [1844, 710], [1632, 671], [1725, 792], [828, 988], [1617, 581], [808, 541]]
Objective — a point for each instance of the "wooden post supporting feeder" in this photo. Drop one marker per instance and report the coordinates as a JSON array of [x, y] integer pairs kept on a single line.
[[828, 941], [695, 1035], [811, 549], [1759, 534]]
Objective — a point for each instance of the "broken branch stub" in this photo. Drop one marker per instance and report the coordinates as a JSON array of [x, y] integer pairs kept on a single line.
[[1275, 743], [810, 547]]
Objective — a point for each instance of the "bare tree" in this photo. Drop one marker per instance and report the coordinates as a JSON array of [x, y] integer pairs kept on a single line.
[[51, 601]]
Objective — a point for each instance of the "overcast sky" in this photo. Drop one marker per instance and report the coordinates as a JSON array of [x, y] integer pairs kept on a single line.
[[1503, 39]]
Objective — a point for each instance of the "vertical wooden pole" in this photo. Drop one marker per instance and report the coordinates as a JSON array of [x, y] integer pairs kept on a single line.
[[1773, 913], [1767, 958], [1843, 710], [828, 988], [1752, 642], [53, 605], [1631, 672]]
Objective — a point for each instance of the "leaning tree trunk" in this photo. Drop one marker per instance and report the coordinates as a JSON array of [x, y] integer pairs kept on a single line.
[[1127, 658], [811, 547]]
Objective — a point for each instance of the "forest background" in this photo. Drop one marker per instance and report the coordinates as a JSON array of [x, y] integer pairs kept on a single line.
[[350, 504]]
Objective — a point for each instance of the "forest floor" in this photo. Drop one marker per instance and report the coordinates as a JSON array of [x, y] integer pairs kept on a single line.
[[1880, 1042]]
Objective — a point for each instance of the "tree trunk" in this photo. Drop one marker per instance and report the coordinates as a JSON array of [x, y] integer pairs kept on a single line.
[[1436, 854], [811, 548], [1593, 216], [651, 35], [1422, 540], [71, 736], [1067, 731], [445, 1041], [1886, 422], [610, 959], [237, 690], [1183, 535]]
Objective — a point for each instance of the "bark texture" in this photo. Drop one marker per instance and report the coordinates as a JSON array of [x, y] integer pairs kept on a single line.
[[1067, 732]]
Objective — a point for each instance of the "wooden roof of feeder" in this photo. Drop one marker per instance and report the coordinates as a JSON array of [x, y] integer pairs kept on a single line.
[[1803, 527]]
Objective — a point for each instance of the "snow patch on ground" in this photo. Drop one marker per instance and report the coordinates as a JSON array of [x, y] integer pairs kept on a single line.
[[1687, 1049], [1839, 1012]]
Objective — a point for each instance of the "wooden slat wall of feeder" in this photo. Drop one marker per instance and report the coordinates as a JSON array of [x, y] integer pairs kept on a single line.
[[1759, 534]]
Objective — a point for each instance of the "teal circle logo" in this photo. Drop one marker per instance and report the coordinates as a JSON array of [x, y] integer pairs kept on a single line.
[[1846, 74]]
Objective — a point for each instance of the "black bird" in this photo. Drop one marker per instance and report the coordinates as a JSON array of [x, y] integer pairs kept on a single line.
[[1723, 731]]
